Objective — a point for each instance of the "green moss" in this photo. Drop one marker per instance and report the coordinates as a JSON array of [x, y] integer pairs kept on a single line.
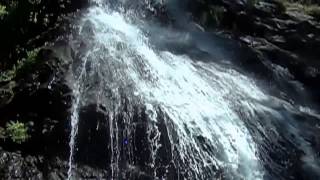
[[17, 132]]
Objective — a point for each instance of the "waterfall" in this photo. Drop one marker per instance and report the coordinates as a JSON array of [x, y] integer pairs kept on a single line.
[[173, 116], [77, 89]]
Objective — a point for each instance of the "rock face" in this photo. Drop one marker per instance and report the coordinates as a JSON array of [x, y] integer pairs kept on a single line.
[[286, 36], [40, 99], [96, 150]]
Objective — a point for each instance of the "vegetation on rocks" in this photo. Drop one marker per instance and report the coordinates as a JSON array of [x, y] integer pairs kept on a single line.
[[16, 131], [22, 67]]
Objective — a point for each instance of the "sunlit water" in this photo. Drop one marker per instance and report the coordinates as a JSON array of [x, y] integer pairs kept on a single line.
[[220, 124]]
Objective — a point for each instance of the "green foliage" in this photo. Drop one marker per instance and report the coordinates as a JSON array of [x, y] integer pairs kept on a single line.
[[3, 11], [7, 8], [8, 75], [27, 64], [22, 67], [17, 131]]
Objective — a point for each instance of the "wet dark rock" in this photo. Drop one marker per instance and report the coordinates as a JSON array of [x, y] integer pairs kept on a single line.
[[127, 141], [286, 37], [264, 19], [16, 165], [93, 137], [301, 68]]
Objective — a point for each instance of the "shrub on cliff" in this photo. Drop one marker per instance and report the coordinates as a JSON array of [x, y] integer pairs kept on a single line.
[[17, 131]]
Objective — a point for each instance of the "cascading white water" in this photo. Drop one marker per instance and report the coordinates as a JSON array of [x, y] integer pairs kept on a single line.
[[77, 88], [201, 99], [74, 127], [186, 90]]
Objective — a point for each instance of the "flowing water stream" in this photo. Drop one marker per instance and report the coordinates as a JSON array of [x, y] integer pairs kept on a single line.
[[174, 116]]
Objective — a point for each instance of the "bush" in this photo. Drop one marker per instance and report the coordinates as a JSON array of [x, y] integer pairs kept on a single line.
[[17, 131]]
